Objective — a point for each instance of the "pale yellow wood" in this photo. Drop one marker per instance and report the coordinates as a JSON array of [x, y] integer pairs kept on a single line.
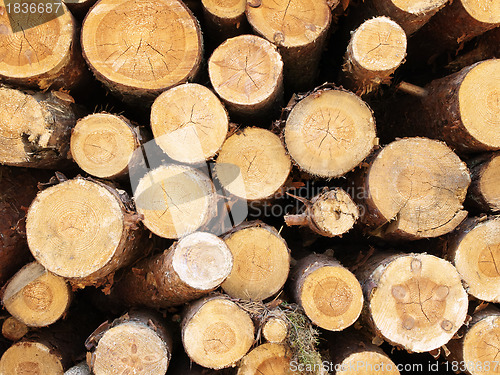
[[275, 330], [486, 11], [30, 358], [367, 363], [225, 8], [13, 329], [267, 359]]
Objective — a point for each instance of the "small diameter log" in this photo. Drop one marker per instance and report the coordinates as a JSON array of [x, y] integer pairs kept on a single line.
[[474, 249], [216, 332], [190, 269], [247, 73], [275, 328], [189, 123], [267, 359], [323, 126], [376, 49], [484, 191], [136, 343], [140, 48], [476, 350], [413, 301], [261, 262], [330, 295], [224, 19], [80, 369], [103, 144], [331, 213], [175, 200], [299, 28], [13, 329], [79, 8], [35, 129], [414, 188], [40, 49], [462, 109], [36, 297], [83, 230], [253, 164]]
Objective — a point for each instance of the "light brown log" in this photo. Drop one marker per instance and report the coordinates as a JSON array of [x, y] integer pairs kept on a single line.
[[484, 191], [35, 128], [261, 261], [191, 268], [413, 301], [83, 230], [216, 332], [189, 123], [299, 28], [331, 213], [267, 359], [330, 295], [13, 329], [36, 297], [247, 73], [376, 49], [224, 19], [103, 144], [253, 164], [474, 249], [323, 126], [175, 200], [135, 343], [276, 327], [140, 48], [414, 188], [40, 50]]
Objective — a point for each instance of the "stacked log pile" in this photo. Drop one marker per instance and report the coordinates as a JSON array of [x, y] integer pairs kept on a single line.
[[249, 187]]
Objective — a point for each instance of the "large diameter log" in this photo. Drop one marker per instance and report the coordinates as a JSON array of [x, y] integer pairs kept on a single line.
[[175, 200], [103, 144], [474, 249], [376, 49], [192, 267], [414, 188], [330, 295], [261, 262], [36, 297], [253, 164], [323, 126], [35, 129], [299, 28], [484, 191], [83, 230], [216, 332], [275, 329], [247, 73], [40, 49], [224, 19], [413, 301], [140, 48], [189, 123], [267, 359], [136, 343]]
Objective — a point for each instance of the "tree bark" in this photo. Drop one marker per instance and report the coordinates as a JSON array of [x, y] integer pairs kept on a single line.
[[266, 359], [79, 369], [484, 191]]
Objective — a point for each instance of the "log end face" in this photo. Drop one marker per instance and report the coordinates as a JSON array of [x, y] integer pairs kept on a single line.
[[367, 363], [489, 184], [275, 330], [225, 9], [480, 346], [419, 7], [30, 358], [335, 213], [484, 11], [266, 359]]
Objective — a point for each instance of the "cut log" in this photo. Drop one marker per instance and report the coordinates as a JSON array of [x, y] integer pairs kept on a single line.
[[411, 15], [140, 48], [329, 132], [376, 49], [136, 343], [330, 295], [175, 200], [414, 188], [36, 297], [103, 144], [247, 73], [275, 328], [267, 359], [476, 351], [13, 329], [216, 332], [484, 191], [224, 19], [331, 213], [413, 301], [83, 230], [261, 262], [80, 369], [40, 50], [474, 249], [35, 129], [253, 164], [299, 28], [79, 8], [31, 357], [189, 123], [190, 269]]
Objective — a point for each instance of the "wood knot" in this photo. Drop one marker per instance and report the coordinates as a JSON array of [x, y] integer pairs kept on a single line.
[[254, 3], [279, 37]]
